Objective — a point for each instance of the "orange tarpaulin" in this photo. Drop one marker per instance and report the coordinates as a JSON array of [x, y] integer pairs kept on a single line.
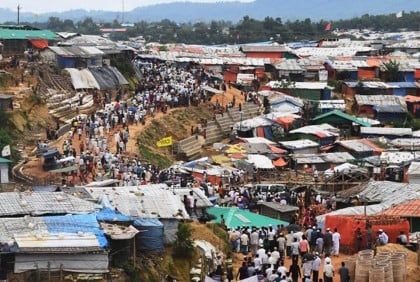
[[277, 150], [279, 162], [39, 43]]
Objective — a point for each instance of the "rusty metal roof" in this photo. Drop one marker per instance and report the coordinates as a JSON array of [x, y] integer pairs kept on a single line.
[[407, 209]]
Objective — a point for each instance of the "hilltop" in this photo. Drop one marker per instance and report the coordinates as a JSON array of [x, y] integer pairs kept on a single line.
[[232, 11]]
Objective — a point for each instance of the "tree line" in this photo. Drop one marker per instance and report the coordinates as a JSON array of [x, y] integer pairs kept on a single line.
[[246, 30]]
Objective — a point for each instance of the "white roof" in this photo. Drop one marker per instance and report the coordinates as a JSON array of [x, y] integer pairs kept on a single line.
[[144, 201], [261, 161], [62, 240], [398, 157], [324, 129], [299, 144], [414, 168], [257, 140], [299, 85], [386, 131], [40, 203]]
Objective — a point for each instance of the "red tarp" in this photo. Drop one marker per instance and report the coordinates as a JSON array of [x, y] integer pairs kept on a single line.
[[39, 43], [347, 226], [279, 162]]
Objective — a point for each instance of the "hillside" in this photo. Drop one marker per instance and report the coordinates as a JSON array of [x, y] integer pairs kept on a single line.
[[233, 11]]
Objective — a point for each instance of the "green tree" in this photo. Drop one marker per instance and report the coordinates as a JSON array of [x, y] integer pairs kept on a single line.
[[88, 26], [183, 245], [392, 70]]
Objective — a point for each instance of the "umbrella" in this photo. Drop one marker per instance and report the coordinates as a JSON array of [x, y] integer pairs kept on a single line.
[[293, 227], [132, 109]]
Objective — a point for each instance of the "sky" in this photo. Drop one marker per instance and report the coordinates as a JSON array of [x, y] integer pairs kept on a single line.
[[43, 6]]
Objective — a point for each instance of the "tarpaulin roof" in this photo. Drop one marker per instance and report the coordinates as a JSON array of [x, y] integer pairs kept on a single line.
[[59, 234], [260, 161], [279, 162], [106, 78], [81, 263], [96, 78], [235, 217], [6, 33]]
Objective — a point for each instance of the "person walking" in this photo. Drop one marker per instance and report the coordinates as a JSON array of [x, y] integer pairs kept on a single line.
[[336, 237], [328, 271], [315, 267], [344, 273], [294, 271]]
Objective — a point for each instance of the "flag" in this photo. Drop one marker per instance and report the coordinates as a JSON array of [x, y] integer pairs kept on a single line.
[[399, 14], [167, 141], [328, 26], [6, 151]]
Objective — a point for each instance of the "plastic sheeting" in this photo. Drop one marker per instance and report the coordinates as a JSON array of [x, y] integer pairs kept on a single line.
[[75, 224], [151, 235], [111, 215], [105, 77], [81, 263], [82, 79]]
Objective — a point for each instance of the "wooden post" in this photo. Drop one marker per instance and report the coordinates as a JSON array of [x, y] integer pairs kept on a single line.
[[61, 273], [418, 250], [49, 271], [134, 251]]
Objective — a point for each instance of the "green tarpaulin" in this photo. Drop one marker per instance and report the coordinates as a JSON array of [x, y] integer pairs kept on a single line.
[[235, 217]]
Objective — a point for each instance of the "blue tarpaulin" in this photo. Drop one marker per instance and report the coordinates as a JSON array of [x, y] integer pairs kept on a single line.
[[86, 223], [108, 214], [151, 235]]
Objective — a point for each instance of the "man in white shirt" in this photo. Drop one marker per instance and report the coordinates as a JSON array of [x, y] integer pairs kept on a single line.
[[315, 267], [254, 240], [282, 270], [328, 272], [336, 237], [244, 243]]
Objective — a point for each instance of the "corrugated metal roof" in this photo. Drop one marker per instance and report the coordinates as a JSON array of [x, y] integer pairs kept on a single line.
[[82, 51], [345, 116], [299, 144], [388, 193], [265, 49], [39, 203], [358, 145], [407, 209], [144, 201], [323, 130], [380, 100], [21, 34], [386, 131]]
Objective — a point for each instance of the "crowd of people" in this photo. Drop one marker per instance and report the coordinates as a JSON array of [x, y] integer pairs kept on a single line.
[[266, 250], [87, 144]]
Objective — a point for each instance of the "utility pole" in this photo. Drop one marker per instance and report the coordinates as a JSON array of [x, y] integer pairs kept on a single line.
[[18, 13], [122, 12]]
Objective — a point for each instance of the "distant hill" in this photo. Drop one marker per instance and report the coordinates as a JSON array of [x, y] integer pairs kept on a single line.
[[234, 11]]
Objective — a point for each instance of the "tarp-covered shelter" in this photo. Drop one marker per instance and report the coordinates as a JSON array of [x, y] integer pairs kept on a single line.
[[235, 217], [101, 78], [386, 193], [144, 201], [151, 236], [42, 203]]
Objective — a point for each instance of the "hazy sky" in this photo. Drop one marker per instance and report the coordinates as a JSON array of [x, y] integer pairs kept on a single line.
[[42, 6]]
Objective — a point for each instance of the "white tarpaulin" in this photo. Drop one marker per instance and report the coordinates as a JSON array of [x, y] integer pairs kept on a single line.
[[82, 263], [260, 161], [82, 79]]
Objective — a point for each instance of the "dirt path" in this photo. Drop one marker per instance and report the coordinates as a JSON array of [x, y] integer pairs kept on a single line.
[[33, 167]]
